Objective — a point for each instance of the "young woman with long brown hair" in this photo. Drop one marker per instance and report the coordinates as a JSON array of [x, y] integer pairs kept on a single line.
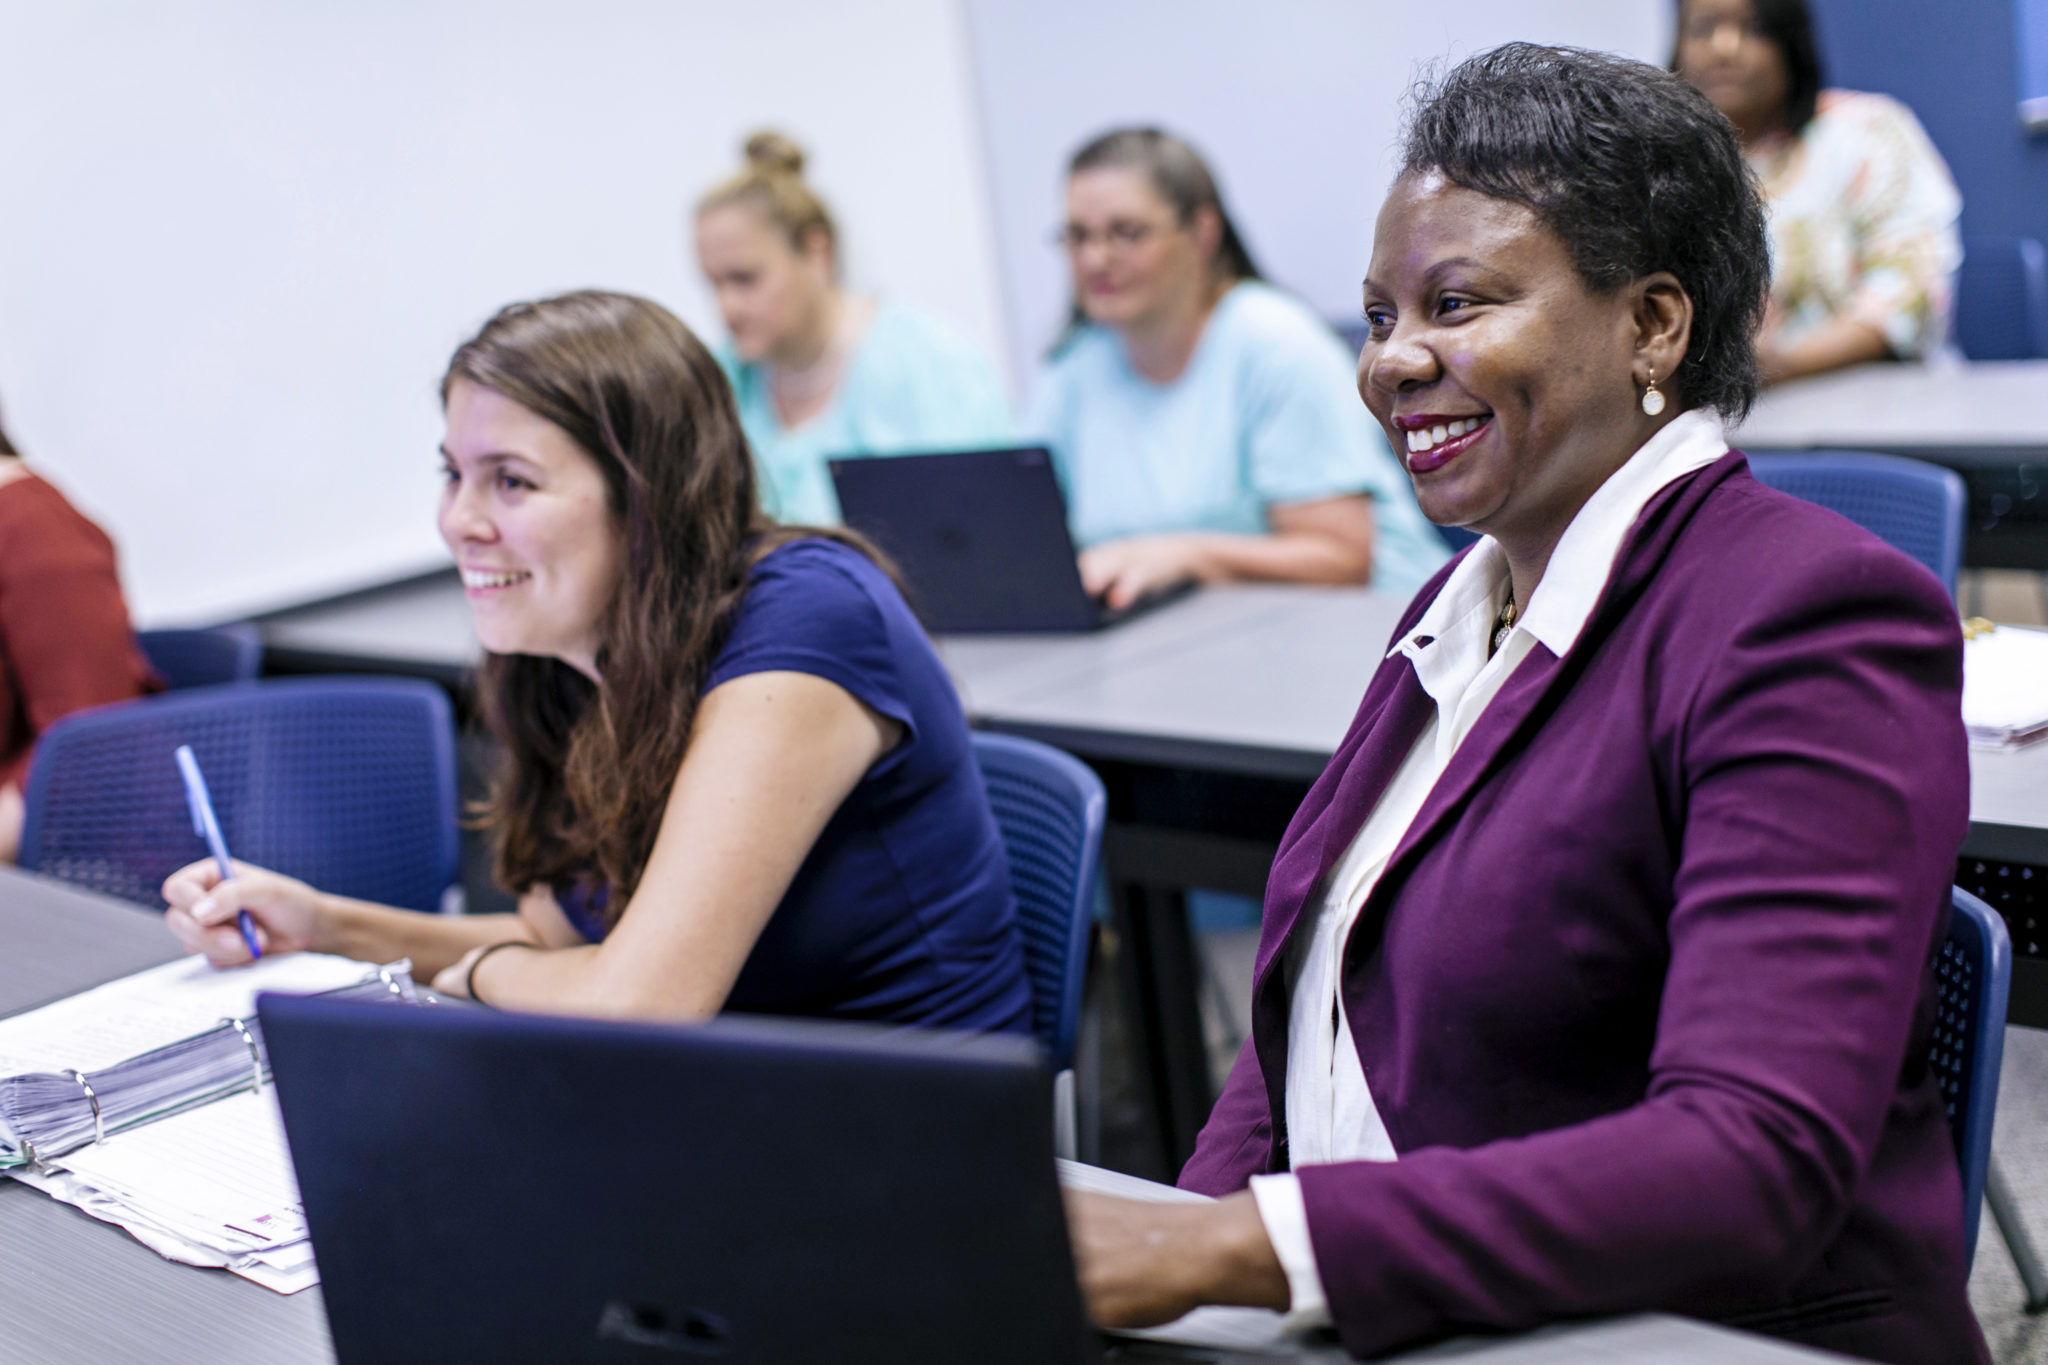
[[736, 775]]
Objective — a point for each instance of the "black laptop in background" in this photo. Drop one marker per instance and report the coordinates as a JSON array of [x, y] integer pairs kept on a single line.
[[981, 537], [499, 1187]]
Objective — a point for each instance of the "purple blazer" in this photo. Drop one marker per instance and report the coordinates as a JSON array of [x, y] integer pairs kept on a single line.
[[1643, 995]]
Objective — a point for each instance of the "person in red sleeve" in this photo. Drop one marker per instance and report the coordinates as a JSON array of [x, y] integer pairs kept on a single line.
[[65, 642]]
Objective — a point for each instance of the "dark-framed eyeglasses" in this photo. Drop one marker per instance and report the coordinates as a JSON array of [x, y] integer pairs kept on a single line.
[[1122, 234]]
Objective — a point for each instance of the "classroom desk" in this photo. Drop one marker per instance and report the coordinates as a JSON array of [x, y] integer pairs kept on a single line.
[[1987, 420], [74, 1289], [1207, 719]]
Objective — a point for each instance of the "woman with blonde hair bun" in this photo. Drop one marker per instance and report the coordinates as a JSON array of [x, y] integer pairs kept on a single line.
[[820, 372]]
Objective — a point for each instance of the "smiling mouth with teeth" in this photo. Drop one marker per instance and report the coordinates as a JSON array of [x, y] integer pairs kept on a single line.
[[476, 579], [1428, 438]]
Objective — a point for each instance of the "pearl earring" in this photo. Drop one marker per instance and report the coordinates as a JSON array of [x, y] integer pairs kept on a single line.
[[1653, 401]]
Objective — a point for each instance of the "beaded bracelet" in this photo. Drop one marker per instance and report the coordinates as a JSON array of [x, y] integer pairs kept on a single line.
[[469, 979]]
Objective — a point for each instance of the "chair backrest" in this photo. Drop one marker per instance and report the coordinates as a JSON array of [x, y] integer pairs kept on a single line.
[[204, 658], [2002, 299], [1972, 978], [1050, 809], [346, 783], [1912, 505]]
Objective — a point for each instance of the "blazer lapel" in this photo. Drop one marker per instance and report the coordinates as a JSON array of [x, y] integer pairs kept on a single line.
[[1518, 709], [1366, 763]]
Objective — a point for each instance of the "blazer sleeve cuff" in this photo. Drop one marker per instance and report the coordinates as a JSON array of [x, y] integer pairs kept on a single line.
[[1285, 1215]]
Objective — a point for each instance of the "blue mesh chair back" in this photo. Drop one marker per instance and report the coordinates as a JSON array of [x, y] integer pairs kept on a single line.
[[1050, 809], [204, 658], [2002, 299], [346, 783], [1972, 978], [1911, 505]]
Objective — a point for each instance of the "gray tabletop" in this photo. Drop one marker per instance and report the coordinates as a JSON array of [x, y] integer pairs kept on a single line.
[[1251, 678], [1996, 407], [71, 1288], [78, 1290]]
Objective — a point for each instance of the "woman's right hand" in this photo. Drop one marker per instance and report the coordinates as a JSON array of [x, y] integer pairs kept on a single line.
[[289, 915]]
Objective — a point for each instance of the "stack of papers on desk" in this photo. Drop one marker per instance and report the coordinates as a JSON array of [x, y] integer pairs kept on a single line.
[[205, 1180], [2005, 687]]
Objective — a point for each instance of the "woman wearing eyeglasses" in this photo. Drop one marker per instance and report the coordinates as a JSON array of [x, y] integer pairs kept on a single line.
[[818, 371], [1205, 423]]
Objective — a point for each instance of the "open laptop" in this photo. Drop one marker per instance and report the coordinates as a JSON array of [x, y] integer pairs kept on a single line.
[[981, 537], [484, 1186]]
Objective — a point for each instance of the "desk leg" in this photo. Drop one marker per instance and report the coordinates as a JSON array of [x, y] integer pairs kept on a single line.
[[1157, 968]]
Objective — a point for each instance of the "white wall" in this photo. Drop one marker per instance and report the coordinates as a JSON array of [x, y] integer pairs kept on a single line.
[[1296, 105], [239, 239]]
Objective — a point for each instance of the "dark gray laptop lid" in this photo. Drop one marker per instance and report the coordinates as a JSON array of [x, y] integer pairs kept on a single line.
[[980, 535], [500, 1187]]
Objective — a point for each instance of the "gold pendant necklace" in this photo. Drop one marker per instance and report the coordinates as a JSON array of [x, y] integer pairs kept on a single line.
[[1503, 625]]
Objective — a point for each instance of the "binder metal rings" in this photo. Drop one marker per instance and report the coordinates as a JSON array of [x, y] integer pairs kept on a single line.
[[255, 1057], [99, 1127]]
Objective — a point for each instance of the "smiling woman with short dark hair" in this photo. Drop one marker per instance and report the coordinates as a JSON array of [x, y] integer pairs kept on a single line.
[[1595, 967]]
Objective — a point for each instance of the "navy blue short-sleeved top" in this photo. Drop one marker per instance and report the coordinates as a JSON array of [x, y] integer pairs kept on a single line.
[[902, 911]]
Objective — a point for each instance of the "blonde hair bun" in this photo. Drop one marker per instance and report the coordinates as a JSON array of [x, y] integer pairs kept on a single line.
[[770, 153], [772, 184]]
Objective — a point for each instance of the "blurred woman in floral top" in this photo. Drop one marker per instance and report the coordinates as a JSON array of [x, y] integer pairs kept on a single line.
[[1862, 208]]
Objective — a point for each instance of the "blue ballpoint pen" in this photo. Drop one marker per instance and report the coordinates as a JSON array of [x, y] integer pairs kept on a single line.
[[207, 826]]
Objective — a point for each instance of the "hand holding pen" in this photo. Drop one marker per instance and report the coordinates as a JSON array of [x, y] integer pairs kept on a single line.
[[207, 826]]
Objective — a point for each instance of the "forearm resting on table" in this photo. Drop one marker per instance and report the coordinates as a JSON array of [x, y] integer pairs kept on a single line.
[[589, 980], [378, 933], [1833, 345], [1326, 541], [1282, 557], [1142, 1263]]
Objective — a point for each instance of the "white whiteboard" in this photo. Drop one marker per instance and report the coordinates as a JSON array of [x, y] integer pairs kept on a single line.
[[238, 240], [1296, 104]]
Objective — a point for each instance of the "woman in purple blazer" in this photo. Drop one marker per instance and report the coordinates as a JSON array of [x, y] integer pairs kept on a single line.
[[1595, 967]]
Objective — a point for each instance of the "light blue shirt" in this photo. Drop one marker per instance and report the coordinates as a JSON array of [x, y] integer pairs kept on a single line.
[[912, 385], [1266, 412]]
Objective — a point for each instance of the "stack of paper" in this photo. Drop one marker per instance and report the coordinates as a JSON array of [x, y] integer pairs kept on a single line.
[[209, 1184], [2005, 686]]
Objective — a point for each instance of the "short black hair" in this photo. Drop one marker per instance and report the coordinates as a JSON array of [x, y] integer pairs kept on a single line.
[[1789, 25], [1632, 168]]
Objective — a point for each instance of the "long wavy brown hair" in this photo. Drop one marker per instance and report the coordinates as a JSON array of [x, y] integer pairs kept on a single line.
[[588, 766]]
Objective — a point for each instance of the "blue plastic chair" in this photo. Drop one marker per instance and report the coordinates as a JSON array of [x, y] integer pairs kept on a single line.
[[1911, 505], [1050, 810], [1972, 979], [204, 658], [346, 783], [2002, 299]]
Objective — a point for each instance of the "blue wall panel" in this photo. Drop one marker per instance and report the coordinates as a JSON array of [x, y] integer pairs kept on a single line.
[[1955, 64]]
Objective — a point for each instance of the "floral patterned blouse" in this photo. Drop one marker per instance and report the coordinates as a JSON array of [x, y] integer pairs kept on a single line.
[[1863, 222]]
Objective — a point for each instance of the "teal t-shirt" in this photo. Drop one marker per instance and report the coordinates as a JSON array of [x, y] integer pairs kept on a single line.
[[1266, 412], [912, 385]]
